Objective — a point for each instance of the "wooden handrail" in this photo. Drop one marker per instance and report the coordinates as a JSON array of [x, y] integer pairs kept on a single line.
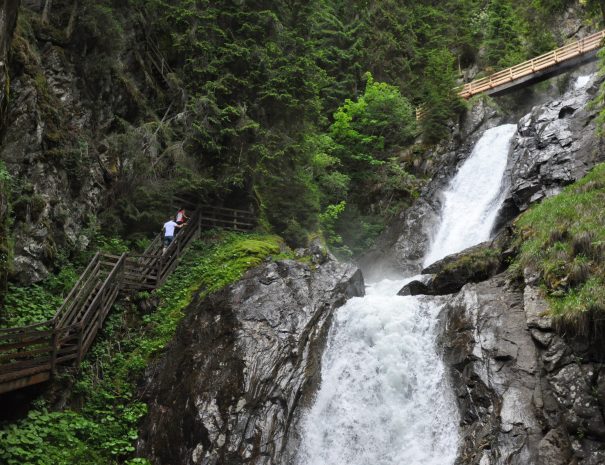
[[30, 354]]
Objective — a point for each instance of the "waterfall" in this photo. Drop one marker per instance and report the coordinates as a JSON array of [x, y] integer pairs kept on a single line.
[[473, 198], [582, 81], [384, 397]]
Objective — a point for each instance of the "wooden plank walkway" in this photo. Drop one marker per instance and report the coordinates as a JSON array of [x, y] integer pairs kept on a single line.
[[32, 354], [544, 65]]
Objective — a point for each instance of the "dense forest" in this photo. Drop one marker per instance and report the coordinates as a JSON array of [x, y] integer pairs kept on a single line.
[[303, 112]]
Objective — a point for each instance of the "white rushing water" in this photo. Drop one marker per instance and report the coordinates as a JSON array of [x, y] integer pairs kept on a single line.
[[582, 81], [384, 397], [473, 198]]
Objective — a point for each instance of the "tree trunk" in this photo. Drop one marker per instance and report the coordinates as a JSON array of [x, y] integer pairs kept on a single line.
[[46, 12], [72, 19]]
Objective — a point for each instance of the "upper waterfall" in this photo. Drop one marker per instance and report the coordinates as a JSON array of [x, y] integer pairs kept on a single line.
[[474, 196]]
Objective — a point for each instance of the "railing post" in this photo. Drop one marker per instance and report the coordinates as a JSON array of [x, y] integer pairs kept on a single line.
[[235, 220], [80, 342], [55, 349]]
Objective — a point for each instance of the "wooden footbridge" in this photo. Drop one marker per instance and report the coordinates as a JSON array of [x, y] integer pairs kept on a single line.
[[530, 71], [32, 354]]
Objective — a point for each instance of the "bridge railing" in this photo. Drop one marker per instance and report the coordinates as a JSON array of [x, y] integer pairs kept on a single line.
[[31, 354]]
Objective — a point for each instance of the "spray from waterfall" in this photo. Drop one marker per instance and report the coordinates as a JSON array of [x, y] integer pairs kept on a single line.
[[384, 397]]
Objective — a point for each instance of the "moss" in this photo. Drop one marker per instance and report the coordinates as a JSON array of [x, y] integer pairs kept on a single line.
[[563, 239], [481, 259]]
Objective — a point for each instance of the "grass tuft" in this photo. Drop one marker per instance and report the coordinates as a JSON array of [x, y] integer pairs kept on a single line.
[[564, 239]]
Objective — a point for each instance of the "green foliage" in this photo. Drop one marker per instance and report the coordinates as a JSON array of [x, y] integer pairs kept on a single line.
[[564, 239], [441, 102], [328, 221], [28, 305], [373, 127], [39, 302], [599, 100], [595, 7], [104, 430], [64, 438], [504, 34]]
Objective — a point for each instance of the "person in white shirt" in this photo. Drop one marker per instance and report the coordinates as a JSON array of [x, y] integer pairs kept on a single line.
[[169, 228]]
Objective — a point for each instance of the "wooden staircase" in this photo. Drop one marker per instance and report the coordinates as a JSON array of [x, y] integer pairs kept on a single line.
[[31, 354]]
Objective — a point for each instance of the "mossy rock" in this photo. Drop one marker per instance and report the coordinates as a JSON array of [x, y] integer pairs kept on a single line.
[[473, 265]]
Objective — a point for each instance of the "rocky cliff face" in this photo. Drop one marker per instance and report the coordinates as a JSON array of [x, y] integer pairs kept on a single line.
[[73, 94], [243, 361], [555, 146], [8, 18], [527, 394]]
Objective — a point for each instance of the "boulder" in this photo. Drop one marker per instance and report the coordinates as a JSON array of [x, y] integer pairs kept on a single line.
[[414, 288]]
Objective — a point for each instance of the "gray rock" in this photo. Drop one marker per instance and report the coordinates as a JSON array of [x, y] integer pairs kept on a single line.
[[536, 309], [414, 288], [554, 147], [244, 360], [494, 366], [555, 448], [522, 389]]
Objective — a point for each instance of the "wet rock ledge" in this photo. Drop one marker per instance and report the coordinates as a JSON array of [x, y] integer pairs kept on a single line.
[[242, 362]]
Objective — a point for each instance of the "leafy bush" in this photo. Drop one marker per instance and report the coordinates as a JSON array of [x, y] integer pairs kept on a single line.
[[28, 305]]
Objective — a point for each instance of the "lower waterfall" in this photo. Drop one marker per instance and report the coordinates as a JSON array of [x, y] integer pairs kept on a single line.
[[384, 397]]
